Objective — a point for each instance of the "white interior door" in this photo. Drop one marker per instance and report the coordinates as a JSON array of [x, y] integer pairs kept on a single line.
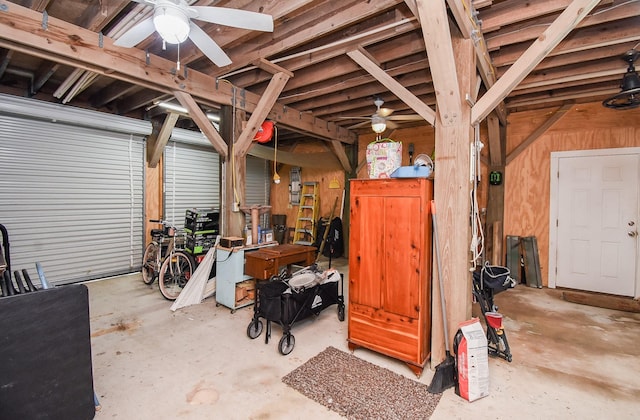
[[597, 229]]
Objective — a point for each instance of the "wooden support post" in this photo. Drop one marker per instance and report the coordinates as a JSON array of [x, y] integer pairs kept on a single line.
[[451, 192], [495, 195], [235, 170]]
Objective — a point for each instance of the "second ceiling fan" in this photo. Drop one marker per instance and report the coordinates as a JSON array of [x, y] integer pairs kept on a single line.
[[172, 19], [382, 118]]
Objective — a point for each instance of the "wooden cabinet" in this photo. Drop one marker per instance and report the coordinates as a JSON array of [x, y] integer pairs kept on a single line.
[[390, 268]]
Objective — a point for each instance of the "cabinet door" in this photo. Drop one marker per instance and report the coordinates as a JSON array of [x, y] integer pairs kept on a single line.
[[388, 254], [367, 251], [403, 233]]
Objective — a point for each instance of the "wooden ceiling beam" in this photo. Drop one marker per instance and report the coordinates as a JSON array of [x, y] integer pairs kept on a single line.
[[99, 13], [139, 99], [465, 17], [203, 123], [625, 15], [581, 40], [111, 93], [44, 73], [542, 99], [160, 137], [226, 36], [338, 150], [437, 38], [282, 40], [610, 81], [396, 53], [267, 100], [355, 91], [510, 12], [538, 132], [568, 74], [567, 20], [361, 57], [21, 30], [5, 59], [323, 160], [335, 50]]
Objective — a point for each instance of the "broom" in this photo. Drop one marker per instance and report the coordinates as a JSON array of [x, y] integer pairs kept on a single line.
[[444, 377]]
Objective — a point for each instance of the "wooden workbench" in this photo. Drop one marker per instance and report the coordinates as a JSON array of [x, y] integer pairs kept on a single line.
[[264, 263]]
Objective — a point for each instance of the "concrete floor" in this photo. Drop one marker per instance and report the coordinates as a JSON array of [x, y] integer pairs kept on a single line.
[[570, 361]]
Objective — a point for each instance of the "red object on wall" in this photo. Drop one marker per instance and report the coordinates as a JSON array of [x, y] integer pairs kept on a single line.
[[265, 132]]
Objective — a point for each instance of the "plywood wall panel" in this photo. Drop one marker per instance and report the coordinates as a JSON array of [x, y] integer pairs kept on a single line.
[[153, 197], [280, 192], [527, 177]]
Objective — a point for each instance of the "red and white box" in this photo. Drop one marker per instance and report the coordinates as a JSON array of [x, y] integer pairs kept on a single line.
[[472, 361]]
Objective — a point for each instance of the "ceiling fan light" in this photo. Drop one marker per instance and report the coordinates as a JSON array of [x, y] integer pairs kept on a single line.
[[172, 24], [378, 124]]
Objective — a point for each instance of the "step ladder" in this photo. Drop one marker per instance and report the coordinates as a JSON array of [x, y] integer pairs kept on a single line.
[[307, 214]]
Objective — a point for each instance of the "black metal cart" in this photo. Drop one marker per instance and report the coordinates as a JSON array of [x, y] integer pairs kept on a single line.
[[288, 299]]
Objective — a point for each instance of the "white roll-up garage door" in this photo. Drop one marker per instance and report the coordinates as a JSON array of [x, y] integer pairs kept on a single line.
[[72, 199], [191, 180]]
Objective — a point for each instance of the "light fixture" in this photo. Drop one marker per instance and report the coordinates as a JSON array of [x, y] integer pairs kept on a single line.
[[170, 106], [629, 96], [172, 23], [276, 177], [378, 124]]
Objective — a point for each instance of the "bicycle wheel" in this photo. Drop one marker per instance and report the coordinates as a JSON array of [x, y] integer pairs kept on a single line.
[[174, 274], [149, 263]]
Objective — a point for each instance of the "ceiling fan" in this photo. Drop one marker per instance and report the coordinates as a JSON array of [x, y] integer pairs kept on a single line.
[[629, 96], [382, 118], [172, 19]]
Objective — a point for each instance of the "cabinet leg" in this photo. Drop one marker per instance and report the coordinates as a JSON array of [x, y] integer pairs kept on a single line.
[[417, 370]]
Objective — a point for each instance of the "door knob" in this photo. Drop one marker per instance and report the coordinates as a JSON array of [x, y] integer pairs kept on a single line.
[[631, 223], [632, 233]]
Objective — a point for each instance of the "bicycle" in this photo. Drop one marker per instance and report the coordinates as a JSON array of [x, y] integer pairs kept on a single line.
[[162, 260]]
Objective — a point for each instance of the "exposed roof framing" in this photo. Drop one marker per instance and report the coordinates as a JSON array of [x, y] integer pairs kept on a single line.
[[527, 57]]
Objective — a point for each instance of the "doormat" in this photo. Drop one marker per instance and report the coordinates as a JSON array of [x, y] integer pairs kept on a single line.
[[358, 390]]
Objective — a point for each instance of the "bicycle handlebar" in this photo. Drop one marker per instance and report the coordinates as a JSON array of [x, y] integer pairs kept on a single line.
[[163, 223]]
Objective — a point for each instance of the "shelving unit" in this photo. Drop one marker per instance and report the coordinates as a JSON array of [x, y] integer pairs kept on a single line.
[[230, 271]]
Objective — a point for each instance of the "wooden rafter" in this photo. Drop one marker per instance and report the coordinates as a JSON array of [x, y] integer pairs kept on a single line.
[[366, 62], [539, 131], [201, 120], [159, 138], [551, 37], [62, 42], [265, 104], [437, 38]]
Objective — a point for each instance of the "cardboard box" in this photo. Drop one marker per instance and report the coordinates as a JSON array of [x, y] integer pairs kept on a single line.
[[472, 361], [202, 221]]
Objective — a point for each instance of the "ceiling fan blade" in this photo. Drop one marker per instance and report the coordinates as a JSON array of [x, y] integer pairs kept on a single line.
[[406, 117], [385, 112], [359, 125], [232, 17], [208, 46], [136, 34], [354, 118], [391, 125]]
